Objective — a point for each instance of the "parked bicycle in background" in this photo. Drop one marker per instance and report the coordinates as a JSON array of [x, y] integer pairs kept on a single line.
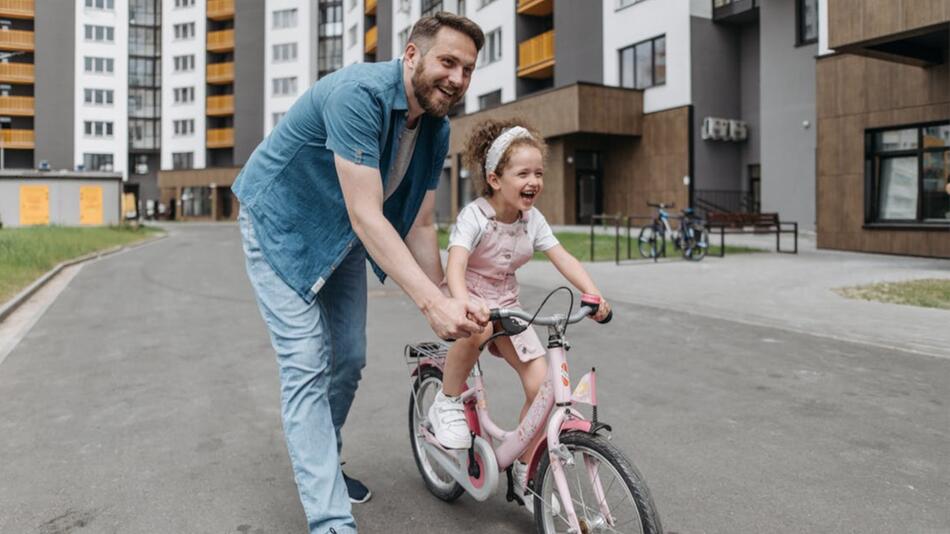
[[692, 236]]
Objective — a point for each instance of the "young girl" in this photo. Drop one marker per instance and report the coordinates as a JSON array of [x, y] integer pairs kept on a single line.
[[494, 236]]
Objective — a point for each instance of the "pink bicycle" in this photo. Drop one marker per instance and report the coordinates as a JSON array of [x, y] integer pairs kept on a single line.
[[579, 481]]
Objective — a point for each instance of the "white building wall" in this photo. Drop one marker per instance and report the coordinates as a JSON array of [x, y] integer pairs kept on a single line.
[[405, 14], [117, 81], [502, 73], [172, 47], [303, 34], [823, 49], [645, 20], [353, 21]]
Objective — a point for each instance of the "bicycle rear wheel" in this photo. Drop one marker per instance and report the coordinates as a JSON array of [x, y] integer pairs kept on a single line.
[[437, 481], [625, 493], [650, 242]]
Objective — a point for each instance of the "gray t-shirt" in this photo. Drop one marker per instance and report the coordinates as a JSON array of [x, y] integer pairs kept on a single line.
[[397, 171]]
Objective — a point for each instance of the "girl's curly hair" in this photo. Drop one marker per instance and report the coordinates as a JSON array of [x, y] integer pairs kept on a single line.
[[480, 141]]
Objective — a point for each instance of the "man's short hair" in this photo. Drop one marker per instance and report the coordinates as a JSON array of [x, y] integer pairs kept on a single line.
[[426, 28]]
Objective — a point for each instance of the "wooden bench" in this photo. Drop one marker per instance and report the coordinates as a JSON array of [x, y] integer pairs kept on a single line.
[[751, 223]]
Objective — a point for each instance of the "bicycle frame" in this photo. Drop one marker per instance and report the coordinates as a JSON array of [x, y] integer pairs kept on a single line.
[[554, 404]]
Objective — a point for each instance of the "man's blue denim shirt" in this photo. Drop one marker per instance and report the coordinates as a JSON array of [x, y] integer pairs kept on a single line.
[[290, 186]]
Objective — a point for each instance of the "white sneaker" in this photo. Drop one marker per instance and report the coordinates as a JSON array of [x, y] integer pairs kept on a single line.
[[447, 417], [520, 473]]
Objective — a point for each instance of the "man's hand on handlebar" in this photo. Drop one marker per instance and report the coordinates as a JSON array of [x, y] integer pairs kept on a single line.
[[452, 318]]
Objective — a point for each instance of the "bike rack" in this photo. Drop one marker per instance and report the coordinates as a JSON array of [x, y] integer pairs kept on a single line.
[[618, 218]]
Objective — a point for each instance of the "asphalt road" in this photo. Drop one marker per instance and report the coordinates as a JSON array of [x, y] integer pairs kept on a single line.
[[146, 400]]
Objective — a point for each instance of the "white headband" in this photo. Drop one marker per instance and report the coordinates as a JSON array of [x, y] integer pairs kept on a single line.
[[500, 144]]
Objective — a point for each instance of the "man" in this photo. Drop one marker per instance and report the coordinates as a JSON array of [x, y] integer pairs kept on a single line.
[[351, 169]]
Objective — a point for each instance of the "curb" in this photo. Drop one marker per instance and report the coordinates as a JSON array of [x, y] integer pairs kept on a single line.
[[11, 305]]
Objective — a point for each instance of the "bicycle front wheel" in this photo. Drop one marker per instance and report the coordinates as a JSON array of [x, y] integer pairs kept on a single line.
[[650, 242], [599, 469], [698, 243]]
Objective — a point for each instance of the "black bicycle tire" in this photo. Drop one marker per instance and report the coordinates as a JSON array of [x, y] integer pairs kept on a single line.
[[653, 248], [649, 518], [457, 490]]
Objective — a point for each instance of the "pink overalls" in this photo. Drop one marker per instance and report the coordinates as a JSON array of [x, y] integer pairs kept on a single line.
[[490, 275]]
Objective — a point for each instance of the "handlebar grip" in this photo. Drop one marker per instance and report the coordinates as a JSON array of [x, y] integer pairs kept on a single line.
[[607, 319], [493, 315]]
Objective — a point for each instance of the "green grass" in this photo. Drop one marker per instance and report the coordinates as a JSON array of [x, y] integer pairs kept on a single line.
[[578, 244], [27, 253], [926, 293]]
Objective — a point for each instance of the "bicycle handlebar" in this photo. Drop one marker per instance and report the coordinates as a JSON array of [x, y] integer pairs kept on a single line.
[[588, 307], [661, 205]]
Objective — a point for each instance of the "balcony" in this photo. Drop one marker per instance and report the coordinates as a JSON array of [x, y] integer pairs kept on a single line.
[[17, 9], [19, 40], [536, 56], [221, 41], [370, 7], [537, 8], [20, 106], [22, 139], [17, 73], [219, 105], [371, 39], [220, 73], [220, 138], [220, 9]]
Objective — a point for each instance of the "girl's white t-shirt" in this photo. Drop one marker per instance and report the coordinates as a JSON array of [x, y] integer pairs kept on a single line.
[[472, 223]]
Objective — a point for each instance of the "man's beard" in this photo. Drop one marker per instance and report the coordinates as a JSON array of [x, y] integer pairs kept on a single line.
[[425, 93]]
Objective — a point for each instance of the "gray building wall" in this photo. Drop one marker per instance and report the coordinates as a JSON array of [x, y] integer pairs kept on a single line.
[[716, 92], [384, 25], [63, 199], [54, 87], [248, 77], [749, 99], [578, 42], [788, 99]]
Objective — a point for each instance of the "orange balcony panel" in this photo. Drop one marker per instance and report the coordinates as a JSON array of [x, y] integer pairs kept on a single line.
[[23, 139], [221, 41], [370, 7], [220, 73], [17, 73], [536, 56], [17, 9], [219, 105], [220, 9], [537, 8], [370, 41], [19, 40], [220, 138], [21, 106]]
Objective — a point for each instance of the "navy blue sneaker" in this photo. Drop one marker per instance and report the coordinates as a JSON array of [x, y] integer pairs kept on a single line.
[[357, 491]]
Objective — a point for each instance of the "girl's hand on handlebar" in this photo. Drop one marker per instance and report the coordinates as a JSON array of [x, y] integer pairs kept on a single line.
[[602, 311]]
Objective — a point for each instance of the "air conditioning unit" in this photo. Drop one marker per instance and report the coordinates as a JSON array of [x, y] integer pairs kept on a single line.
[[738, 130], [715, 129], [44, 165]]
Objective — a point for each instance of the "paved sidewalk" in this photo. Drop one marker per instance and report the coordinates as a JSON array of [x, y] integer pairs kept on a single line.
[[792, 292]]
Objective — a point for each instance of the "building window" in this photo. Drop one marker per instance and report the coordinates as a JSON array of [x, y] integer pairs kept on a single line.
[[103, 34], [643, 65], [491, 52], [284, 86], [97, 162], [489, 100], [352, 34], [144, 72], [144, 134], [97, 128], [99, 65], [145, 103], [196, 201], [184, 63], [184, 95], [184, 3], [108, 5], [184, 31], [430, 7], [285, 52], [183, 160], [275, 117], [184, 127], [908, 174], [144, 41], [331, 19], [98, 97], [806, 18], [405, 6], [285, 18], [404, 38]]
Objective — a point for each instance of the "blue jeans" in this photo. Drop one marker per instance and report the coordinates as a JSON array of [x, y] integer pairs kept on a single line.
[[321, 351]]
